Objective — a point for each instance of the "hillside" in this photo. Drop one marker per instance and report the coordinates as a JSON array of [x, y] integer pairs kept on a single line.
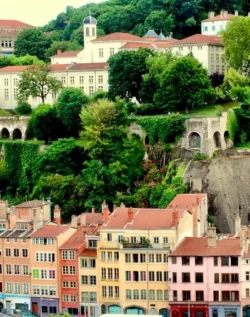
[[181, 17]]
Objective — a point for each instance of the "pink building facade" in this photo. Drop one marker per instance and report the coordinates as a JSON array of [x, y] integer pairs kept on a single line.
[[205, 275]]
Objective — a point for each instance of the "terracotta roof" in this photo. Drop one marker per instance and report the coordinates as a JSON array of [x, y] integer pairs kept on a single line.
[[186, 201], [135, 45], [118, 36], [199, 39], [89, 253], [165, 44], [198, 247], [13, 69], [144, 219], [67, 54], [32, 204], [91, 218], [14, 24], [220, 17], [87, 66], [75, 241], [49, 231]]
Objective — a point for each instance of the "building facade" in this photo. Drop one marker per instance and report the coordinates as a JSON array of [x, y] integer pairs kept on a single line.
[[216, 23]]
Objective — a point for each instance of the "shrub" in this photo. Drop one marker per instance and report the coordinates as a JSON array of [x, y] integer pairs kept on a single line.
[[199, 157], [23, 108]]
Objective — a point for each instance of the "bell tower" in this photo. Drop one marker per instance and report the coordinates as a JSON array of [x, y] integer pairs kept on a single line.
[[89, 30]]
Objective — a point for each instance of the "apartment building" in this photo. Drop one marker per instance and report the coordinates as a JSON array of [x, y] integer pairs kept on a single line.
[[214, 24], [133, 254], [205, 276]]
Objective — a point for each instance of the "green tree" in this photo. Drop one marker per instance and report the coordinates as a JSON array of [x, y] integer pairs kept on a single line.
[[32, 41], [125, 73], [184, 85], [44, 124], [68, 107], [36, 81], [22, 60], [63, 46]]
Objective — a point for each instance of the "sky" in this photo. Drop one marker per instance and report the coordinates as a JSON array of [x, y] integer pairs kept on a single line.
[[37, 12]]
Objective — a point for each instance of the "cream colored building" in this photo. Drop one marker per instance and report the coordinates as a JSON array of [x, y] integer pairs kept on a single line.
[[216, 23]]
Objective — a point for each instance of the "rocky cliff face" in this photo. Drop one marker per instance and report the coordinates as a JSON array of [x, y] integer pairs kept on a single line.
[[227, 182]]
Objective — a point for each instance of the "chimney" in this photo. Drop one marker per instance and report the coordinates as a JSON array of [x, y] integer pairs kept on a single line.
[[211, 237], [105, 212], [83, 219], [236, 13], [12, 218], [73, 221], [244, 238], [175, 218], [195, 219], [237, 224], [211, 14], [57, 214], [59, 52], [92, 210], [130, 214]]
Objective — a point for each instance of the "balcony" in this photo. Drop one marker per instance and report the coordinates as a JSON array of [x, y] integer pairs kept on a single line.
[[129, 245]]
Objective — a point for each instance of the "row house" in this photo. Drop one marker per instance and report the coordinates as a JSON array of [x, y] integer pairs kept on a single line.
[[133, 254], [205, 276]]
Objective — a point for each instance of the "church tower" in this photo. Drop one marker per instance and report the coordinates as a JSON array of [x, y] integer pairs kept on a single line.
[[89, 30]]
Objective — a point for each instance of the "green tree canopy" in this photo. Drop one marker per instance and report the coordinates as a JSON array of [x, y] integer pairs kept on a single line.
[[36, 81], [68, 108], [63, 46], [32, 41], [22, 60], [184, 85], [125, 73]]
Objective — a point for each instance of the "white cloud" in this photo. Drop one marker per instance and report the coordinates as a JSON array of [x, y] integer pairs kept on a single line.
[[37, 12]]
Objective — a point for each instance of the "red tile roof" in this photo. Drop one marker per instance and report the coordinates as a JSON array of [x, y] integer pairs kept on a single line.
[[88, 66], [75, 241], [144, 219], [198, 247], [67, 54], [185, 201], [14, 24], [165, 44], [118, 36], [13, 69], [135, 45], [199, 39], [89, 253], [220, 17], [49, 231]]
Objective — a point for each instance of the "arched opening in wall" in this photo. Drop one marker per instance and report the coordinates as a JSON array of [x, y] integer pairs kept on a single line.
[[227, 139], [5, 134], [217, 140], [103, 309], [246, 311], [153, 311], [146, 141], [87, 31], [134, 310], [194, 140], [164, 312], [17, 134], [93, 31]]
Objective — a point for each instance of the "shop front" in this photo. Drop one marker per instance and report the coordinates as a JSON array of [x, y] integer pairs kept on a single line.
[[44, 306]]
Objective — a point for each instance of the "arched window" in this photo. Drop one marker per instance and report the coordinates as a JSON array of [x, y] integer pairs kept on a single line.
[[17, 134], [194, 140], [227, 139], [5, 134], [93, 31], [217, 140], [87, 31]]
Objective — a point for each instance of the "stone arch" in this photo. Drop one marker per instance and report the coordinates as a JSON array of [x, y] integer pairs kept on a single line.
[[93, 31], [146, 141], [134, 310], [17, 134], [194, 140], [227, 139], [217, 140], [5, 133], [87, 31]]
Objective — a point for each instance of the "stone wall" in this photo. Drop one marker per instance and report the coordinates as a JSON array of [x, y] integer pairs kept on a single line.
[[12, 127]]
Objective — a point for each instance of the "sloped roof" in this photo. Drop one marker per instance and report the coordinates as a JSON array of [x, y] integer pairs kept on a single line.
[[32, 204], [220, 17], [151, 33], [136, 45], [186, 200], [198, 247], [88, 66], [119, 36], [14, 24], [199, 39], [75, 241], [48, 231], [67, 54]]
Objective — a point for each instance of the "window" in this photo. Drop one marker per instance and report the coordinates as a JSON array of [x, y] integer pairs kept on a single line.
[[72, 80], [69, 270], [104, 291], [159, 276], [1, 269], [185, 260], [165, 240], [133, 239], [135, 258], [93, 244], [199, 277], [16, 288], [35, 273], [127, 257], [15, 93], [156, 240], [116, 256], [103, 256], [213, 27], [8, 269], [92, 280], [135, 276], [247, 292], [44, 274], [16, 269], [110, 273], [165, 258], [100, 88], [91, 92], [15, 82], [116, 271], [224, 260], [186, 295], [199, 296], [103, 273], [84, 280], [198, 260], [84, 263], [110, 291], [8, 287], [63, 80], [82, 88], [185, 277], [158, 258], [174, 260], [92, 263], [25, 288], [100, 52], [234, 261], [216, 278], [175, 296], [8, 252], [52, 274], [127, 276], [159, 294], [81, 80], [143, 275], [109, 256], [215, 260], [152, 294], [120, 238], [230, 295], [174, 277], [143, 294], [93, 297], [248, 276], [128, 294], [87, 31], [111, 51], [216, 296], [100, 79], [135, 294], [151, 258], [25, 253], [151, 276], [165, 276], [6, 81]]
